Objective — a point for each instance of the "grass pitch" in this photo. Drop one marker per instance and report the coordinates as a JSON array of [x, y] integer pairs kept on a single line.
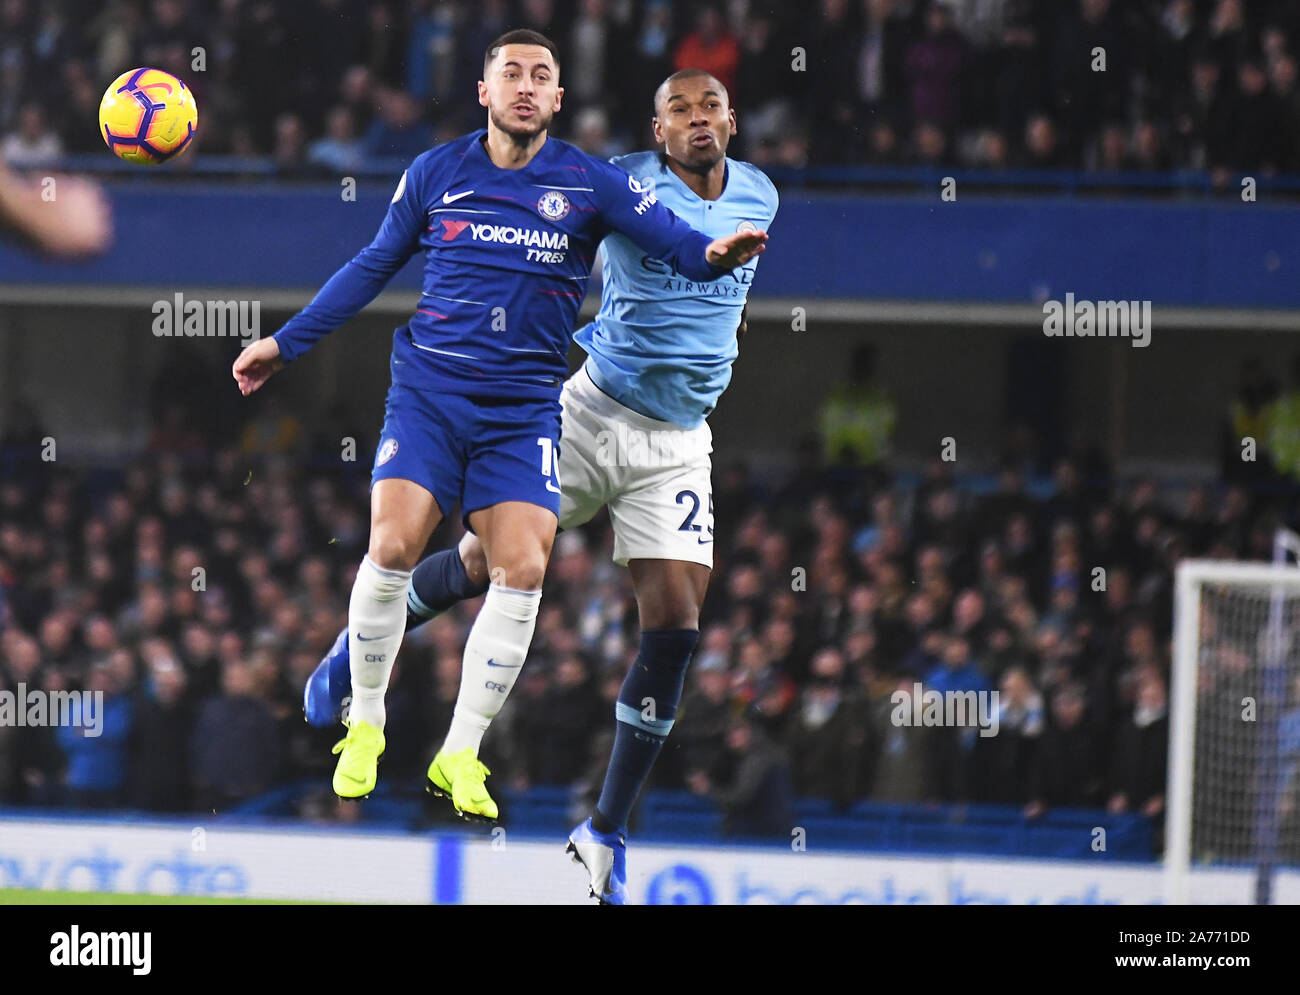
[[28, 897]]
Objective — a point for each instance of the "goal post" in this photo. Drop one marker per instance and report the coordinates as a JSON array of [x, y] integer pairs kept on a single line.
[[1232, 774]]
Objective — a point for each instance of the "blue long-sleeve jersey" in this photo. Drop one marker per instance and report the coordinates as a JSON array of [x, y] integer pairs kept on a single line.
[[508, 253]]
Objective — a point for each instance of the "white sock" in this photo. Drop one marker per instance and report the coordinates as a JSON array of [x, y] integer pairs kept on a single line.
[[494, 655], [376, 612]]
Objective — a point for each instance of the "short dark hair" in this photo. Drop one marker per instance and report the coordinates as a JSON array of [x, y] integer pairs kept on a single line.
[[661, 91], [520, 36]]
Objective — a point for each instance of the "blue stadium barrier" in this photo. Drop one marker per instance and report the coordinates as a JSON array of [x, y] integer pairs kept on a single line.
[[683, 818], [1062, 181], [812, 808], [678, 814], [912, 246], [540, 810]]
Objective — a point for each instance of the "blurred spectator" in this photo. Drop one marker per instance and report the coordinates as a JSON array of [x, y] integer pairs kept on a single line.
[[957, 768], [760, 685], [290, 150], [235, 746], [587, 56], [905, 753], [1042, 147], [1111, 154], [340, 151], [591, 134], [756, 796], [1150, 151], [430, 57], [930, 145], [710, 47], [96, 746], [1085, 96], [705, 715], [160, 771], [565, 720], [760, 94], [829, 84], [1202, 119], [934, 67], [1137, 776], [399, 129], [1066, 771], [828, 736], [881, 50], [1007, 761], [33, 143], [1256, 131], [857, 419], [1176, 72]]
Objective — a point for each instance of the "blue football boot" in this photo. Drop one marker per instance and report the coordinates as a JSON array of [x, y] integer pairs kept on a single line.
[[329, 686], [604, 855]]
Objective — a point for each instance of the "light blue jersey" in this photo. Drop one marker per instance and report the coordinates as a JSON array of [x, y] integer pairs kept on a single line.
[[662, 344]]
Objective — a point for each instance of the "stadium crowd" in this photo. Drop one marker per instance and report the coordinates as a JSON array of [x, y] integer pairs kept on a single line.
[[198, 587], [326, 85]]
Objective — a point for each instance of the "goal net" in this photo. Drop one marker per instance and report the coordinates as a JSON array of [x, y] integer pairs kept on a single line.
[[1234, 726]]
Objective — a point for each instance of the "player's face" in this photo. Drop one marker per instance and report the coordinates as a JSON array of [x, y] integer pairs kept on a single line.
[[522, 91], [695, 122]]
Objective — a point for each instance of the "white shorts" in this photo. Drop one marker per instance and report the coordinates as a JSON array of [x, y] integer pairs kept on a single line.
[[654, 476]]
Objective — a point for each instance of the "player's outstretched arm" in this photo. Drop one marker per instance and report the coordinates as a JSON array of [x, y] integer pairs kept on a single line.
[[360, 279], [77, 221], [256, 364], [628, 207]]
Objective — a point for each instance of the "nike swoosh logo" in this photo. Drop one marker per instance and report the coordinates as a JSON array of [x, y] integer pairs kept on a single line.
[[449, 198], [702, 542], [510, 666], [368, 640]]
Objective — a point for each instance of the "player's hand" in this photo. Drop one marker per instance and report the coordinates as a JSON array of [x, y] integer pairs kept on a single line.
[[255, 365], [76, 221], [743, 327], [736, 249]]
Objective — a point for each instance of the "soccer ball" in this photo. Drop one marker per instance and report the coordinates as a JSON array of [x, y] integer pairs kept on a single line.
[[147, 116]]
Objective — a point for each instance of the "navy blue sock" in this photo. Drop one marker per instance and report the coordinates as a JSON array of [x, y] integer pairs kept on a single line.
[[643, 726], [438, 582]]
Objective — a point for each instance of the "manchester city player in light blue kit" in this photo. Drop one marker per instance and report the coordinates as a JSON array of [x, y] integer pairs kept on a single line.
[[509, 221], [660, 353]]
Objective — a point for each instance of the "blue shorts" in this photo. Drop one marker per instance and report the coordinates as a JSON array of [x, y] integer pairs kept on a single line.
[[473, 451]]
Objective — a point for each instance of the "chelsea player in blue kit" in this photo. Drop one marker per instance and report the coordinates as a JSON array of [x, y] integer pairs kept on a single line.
[[509, 221], [660, 353]]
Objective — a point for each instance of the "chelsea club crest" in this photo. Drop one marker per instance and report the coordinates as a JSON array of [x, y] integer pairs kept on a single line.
[[553, 205]]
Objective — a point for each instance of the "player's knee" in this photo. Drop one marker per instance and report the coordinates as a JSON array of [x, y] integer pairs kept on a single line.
[[670, 613], [523, 573], [392, 551], [667, 605]]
